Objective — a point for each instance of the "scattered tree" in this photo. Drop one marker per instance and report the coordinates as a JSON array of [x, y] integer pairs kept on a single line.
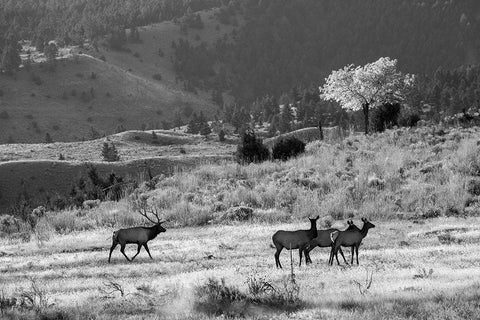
[[109, 152], [251, 148], [48, 138], [205, 130], [221, 136], [51, 52], [10, 56], [360, 88]]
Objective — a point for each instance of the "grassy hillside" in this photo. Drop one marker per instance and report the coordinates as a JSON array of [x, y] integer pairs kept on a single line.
[[85, 92], [36, 170]]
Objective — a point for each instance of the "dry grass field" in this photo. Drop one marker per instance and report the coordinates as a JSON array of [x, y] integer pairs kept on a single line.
[[70, 273], [420, 187]]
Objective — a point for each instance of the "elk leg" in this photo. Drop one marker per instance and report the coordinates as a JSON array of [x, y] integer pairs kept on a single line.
[[122, 250], [148, 251], [341, 252], [356, 250], [336, 255], [353, 253], [114, 245], [307, 256], [330, 259], [300, 254], [277, 257], [138, 251]]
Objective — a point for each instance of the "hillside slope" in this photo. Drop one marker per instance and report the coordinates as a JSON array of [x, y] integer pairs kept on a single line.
[[97, 92], [34, 169]]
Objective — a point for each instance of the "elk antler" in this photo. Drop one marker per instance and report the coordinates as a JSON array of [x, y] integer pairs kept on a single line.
[[144, 212]]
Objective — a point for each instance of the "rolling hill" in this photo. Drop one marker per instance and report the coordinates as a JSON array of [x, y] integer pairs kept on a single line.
[[34, 169], [98, 92]]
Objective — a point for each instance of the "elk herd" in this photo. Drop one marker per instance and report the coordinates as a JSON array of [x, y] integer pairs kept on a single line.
[[307, 240], [303, 240]]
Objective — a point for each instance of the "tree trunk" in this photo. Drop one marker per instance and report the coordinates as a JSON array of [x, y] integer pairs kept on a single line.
[[365, 114]]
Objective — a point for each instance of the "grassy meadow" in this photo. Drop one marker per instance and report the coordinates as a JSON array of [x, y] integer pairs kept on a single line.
[[70, 272], [419, 186]]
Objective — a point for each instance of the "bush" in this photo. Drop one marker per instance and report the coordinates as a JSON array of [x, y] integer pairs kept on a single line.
[[216, 298], [408, 118], [287, 148], [384, 116], [473, 186], [251, 148], [9, 224]]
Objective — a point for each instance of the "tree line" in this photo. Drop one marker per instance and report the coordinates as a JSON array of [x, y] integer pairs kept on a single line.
[[284, 49], [75, 21]]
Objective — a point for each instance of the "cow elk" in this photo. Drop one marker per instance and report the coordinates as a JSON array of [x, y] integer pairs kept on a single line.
[[138, 235], [324, 239], [294, 240], [349, 238]]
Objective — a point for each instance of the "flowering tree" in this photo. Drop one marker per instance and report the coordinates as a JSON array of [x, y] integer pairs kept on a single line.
[[359, 88]]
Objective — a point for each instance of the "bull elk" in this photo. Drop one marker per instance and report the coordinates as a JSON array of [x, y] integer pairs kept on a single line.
[[324, 239], [138, 235], [294, 240], [349, 238]]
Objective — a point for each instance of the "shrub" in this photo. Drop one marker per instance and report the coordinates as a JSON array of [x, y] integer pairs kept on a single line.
[[9, 224], [473, 186], [157, 76], [408, 118], [287, 148], [384, 116], [251, 148], [216, 298]]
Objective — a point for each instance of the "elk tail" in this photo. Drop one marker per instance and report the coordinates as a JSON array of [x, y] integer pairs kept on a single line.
[[333, 236], [115, 236]]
